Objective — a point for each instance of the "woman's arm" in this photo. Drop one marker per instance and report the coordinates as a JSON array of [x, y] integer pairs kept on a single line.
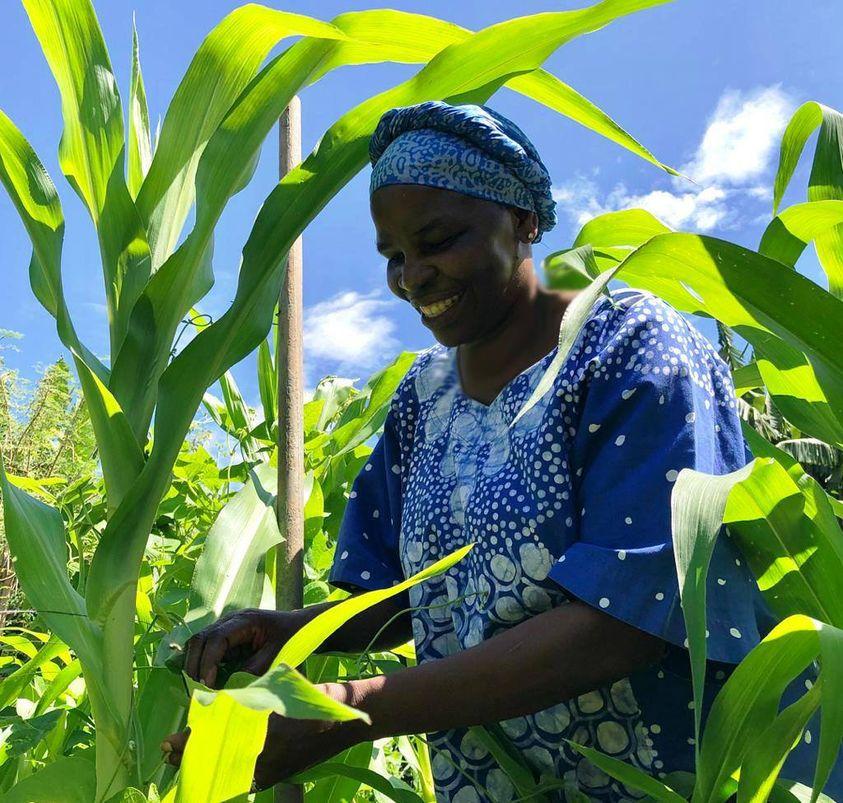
[[387, 623], [552, 657]]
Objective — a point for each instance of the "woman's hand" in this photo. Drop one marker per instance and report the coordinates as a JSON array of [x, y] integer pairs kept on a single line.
[[250, 639], [291, 745]]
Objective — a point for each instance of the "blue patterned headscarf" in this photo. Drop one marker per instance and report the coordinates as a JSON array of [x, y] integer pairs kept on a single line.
[[469, 149]]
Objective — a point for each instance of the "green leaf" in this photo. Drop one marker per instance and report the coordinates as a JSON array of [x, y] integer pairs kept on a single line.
[[826, 180], [782, 520], [91, 152], [509, 759], [219, 769], [744, 707], [229, 573], [228, 727], [307, 639], [771, 747], [12, 686], [225, 63], [797, 355], [576, 314], [284, 691], [414, 38], [335, 770], [66, 780], [333, 787], [697, 504], [121, 455], [35, 534], [788, 234], [37, 202], [629, 775], [92, 142], [378, 394], [140, 147], [267, 384]]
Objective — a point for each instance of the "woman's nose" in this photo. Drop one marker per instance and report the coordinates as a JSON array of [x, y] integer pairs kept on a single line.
[[415, 274]]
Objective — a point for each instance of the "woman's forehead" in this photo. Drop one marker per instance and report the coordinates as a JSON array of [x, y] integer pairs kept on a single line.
[[404, 206]]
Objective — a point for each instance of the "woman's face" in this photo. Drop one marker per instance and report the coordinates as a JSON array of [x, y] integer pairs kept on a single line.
[[458, 260]]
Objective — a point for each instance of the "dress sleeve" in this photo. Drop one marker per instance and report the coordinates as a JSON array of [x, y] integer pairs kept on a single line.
[[657, 399], [366, 555]]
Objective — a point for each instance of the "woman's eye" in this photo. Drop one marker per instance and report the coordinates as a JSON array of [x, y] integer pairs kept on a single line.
[[442, 243]]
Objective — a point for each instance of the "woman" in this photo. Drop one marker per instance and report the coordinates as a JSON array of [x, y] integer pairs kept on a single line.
[[563, 622]]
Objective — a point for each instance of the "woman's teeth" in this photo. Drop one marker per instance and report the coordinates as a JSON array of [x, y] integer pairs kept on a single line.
[[438, 307]]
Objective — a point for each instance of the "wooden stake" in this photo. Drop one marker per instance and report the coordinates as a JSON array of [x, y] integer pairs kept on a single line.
[[289, 565]]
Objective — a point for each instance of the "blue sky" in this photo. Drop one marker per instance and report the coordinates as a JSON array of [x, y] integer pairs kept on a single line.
[[707, 85]]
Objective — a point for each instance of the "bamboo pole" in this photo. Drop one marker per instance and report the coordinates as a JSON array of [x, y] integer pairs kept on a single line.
[[289, 557]]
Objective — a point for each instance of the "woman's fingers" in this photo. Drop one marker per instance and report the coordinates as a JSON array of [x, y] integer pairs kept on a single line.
[[173, 747], [208, 648], [261, 660]]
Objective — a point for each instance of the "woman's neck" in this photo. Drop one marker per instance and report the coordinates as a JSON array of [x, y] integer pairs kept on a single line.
[[527, 334]]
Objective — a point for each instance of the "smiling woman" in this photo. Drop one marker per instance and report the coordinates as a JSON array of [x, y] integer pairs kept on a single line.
[[563, 624]]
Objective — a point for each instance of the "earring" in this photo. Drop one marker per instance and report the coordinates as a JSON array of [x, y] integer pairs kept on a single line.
[[530, 236]]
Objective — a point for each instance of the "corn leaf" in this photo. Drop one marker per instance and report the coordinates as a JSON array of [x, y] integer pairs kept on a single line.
[[228, 727], [697, 504], [267, 384], [214, 768], [789, 233], [334, 771], [13, 685], [140, 147], [66, 780], [793, 546], [771, 747], [573, 320], [92, 148], [825, 182], [378, 393], [333, 788], [798, 357], [746, 378], [37, 202], [416, 38], [744, 707], [120, 454], [225, 63], [629, 775], [35, 534], [509, 759], [308, 639], [229, 573]]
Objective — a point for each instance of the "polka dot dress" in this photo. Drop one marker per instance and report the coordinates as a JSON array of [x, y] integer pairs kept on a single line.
[[573, 501]]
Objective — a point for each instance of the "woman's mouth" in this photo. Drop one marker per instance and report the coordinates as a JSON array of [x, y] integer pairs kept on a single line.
[[437, 308]]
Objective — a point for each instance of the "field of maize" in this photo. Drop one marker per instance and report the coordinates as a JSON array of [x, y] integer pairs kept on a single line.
[[117, 561]]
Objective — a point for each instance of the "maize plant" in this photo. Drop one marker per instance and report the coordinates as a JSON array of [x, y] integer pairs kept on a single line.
[[139, 196]]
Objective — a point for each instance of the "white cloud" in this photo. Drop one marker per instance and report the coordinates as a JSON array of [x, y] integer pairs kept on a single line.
[[350, 331], [701, 210], [741, 137], [734, 154]]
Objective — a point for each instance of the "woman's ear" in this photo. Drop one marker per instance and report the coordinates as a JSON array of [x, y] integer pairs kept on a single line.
[[526, 225]]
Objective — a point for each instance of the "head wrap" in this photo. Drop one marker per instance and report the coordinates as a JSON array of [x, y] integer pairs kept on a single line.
[[469, 149]]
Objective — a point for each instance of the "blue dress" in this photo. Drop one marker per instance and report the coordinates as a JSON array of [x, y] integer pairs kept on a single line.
[[572, 502]]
